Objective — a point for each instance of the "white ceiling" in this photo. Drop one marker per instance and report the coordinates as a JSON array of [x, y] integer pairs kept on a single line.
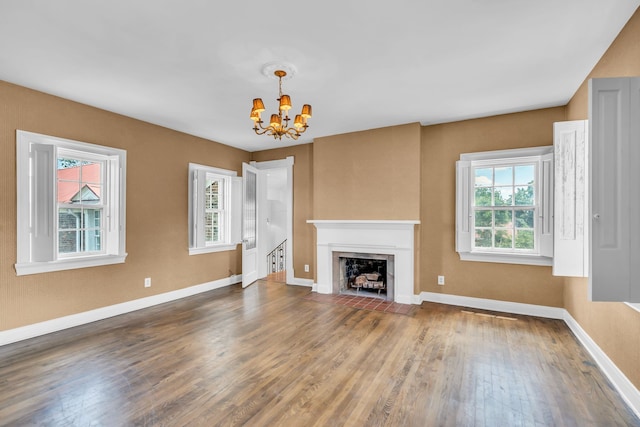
[[195, 65]]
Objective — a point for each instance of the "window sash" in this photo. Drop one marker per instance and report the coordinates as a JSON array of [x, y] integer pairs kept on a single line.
[[86, 237], [513, 232]]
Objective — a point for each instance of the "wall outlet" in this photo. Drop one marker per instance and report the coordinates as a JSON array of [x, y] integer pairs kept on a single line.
[[147, 282], [306, 268], [440, 280]]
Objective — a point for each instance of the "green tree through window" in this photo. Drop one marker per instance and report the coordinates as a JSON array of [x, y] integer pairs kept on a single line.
[[504, 207]]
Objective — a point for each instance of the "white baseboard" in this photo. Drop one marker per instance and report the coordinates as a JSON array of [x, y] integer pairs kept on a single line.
[[627, 390], [301, 282], [54, 325], [495, 305]]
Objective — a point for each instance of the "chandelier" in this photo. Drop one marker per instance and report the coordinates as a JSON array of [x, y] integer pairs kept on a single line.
[[279, 123]]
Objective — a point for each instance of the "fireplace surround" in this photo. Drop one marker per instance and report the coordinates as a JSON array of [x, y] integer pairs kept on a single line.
[[374, 237]]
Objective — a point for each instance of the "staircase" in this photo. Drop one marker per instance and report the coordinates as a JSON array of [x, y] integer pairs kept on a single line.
[[276, 259]]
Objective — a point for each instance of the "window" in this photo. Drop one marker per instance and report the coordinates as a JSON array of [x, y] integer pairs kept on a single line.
[[71, 204], [504, 206], [214, 199]]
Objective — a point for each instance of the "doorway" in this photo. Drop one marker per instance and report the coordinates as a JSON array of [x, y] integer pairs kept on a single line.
[[274, 203]]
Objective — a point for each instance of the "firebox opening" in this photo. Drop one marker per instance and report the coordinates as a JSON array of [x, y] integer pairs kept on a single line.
[[365, 275]]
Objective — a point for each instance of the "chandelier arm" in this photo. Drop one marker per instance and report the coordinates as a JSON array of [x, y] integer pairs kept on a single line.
[[292, 133], [264, 130], [260, 122]]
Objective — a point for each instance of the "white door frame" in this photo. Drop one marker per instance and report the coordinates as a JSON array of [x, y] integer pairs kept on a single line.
[[277, 164]]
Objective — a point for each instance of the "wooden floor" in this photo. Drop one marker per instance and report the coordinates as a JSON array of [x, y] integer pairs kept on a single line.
[[266, 356]]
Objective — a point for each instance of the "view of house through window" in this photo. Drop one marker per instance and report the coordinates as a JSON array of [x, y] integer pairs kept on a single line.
[[504, 207], [80, 205]]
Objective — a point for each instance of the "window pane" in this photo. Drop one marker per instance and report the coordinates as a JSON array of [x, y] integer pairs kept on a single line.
[[68, 241], [503, 218], [68, 191], [524, 239], [524, 174], [90, 180], [524, 196], [212, 194], [211, 227], [92, 223], [483, 238], [524, 218], [503, 196], [68, 218], [92, 240], [484, 177], [483, 196], [80, 230], [483, 219], [504, 239], [79, 181], [504, 176]]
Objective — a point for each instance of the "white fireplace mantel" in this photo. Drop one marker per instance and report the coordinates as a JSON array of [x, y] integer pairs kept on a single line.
[[367, 236]]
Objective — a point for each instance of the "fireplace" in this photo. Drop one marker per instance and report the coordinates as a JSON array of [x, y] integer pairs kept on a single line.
[[363, 274], [368, 239]]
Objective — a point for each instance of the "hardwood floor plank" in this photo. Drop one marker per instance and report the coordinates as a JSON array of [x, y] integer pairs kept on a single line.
[[267, 356]]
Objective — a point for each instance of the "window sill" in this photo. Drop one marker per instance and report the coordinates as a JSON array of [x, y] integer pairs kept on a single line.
[[506, 258], [216, 248], [23, 269]]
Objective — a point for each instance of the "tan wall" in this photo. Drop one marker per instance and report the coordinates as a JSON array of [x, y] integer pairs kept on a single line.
[[303, 233], [157, 239], [373, 174], [441, 147], [615, 327]]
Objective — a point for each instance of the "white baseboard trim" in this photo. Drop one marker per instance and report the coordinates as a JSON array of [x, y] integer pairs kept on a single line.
[[495, 305], [627, 390], [61, 323], [297, 281]]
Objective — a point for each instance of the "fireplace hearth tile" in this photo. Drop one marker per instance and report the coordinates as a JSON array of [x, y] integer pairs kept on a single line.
[[362, 303]]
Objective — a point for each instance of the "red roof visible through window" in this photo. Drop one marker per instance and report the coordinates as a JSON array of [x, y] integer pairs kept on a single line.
[[69, 180]]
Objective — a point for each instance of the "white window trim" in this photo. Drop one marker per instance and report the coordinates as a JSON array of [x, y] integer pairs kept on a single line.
[[114, 252], [464, 192], [233, 200]]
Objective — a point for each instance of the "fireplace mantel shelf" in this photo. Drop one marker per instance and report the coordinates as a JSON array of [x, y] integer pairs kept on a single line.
[[337, 223]]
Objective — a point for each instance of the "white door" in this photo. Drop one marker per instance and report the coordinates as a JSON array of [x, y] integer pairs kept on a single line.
[[249, 225]]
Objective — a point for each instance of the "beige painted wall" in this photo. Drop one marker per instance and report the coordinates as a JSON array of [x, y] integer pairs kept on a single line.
[[373, 174], [157, 239], [303, 233], [615, 327], [441, 147]]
